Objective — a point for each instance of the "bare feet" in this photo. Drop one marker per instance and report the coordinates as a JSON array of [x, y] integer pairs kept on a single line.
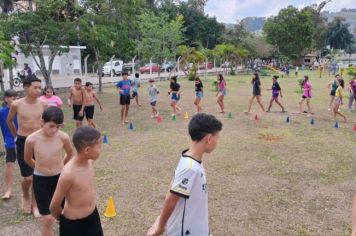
[[35, 212], [126, 122], [26, 205], [6, 196]]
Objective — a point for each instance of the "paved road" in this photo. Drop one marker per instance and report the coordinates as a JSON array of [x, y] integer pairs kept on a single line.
[[67, 81]]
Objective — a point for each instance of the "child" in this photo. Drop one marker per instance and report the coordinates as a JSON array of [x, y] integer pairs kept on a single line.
[[333, 86], [352, 87], [9, 141], [221, 92], [76, 95], [124, 89], [185, 209], [276, 90], [338, 99], [29, 112], [256, 92], [50, 97], [153, 93], [175, 95], [307, 88], [136, 84], [88, 104], [198, 93], [76, 186], [47, 145]]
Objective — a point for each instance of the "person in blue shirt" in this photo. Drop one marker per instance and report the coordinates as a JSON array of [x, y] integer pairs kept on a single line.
[[124, 89], [9, 141]]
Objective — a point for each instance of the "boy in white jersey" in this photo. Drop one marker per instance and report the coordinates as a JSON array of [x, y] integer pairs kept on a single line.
[[185, 209]]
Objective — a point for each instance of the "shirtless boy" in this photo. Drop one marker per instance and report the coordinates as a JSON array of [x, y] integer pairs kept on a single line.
[[29, 112], [47, 146], [75, 99], [77, 185], [88, 104]]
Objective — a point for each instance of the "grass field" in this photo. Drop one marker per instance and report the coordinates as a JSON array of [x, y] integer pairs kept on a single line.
[[265, 178]]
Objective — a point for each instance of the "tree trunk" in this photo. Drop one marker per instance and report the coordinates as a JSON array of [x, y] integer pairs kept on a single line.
[[11, 76], [97, 57], [42, 65]]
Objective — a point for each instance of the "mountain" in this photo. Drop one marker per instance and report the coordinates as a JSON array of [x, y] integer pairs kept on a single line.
[[255, 24]]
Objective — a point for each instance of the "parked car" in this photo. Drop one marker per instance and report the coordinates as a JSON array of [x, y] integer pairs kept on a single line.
[[146, 68], [127, 67], [168, 66], [209, 66], [116, 67]]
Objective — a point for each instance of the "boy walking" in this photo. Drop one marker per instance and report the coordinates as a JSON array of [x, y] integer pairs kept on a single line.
[[9, 141], [75, 99], [29, 112], [88, 104], [136, 84], [124, 89], [185, 209], [153, 93], [47, 145], [77, 186]]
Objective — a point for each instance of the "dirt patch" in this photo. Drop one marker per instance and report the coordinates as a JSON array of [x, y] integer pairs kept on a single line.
[[269, 137]]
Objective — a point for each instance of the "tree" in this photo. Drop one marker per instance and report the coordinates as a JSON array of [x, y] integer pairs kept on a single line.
[[6, 61], [159, 37], [291, 32], [190, 57], [231, 53], [50, 28], [338, 35]]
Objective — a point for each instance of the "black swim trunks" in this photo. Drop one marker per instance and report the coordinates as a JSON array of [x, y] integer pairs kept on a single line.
[[10, 155], [43, 188], [76, 110], [88, 226], [89, 112], [125, 100], [25, 169]]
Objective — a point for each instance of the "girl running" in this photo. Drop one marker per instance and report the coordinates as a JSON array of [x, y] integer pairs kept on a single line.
[[276, 90], [198, 93], [175, 95], [338, 99], [256, 92], [221, 92], [307, 88], [50, 97]]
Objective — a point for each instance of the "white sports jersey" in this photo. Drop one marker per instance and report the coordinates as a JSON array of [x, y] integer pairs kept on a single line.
[[190, 216]]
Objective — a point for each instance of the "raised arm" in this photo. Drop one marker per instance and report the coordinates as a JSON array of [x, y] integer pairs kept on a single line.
[[63, 186], [10, 118], [28, 153]]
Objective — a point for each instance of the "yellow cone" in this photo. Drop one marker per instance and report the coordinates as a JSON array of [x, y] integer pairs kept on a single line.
[[186, 116], [110, 209]]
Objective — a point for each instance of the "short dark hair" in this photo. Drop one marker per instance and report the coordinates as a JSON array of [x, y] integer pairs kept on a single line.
[[125, 73], [137, 75], [48, 87], [203, 124], [85, 136], [276, 76], [87, 84], [29, 80], [53, 114], [77, 80], [10, 93]]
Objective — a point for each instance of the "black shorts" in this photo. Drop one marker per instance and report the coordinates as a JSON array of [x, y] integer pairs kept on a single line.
[[304, 97], [134, 94], [10, 154], [89, 112], [125, 100], [25, 169], [43, 188], [88, 226], [332, 93], [76, 110]]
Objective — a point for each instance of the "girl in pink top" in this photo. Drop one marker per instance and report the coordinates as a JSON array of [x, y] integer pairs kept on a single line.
[[50, 97], [307, 87], [221, 92]]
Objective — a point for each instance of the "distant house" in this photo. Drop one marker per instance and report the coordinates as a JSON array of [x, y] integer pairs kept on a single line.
[[307, 60]]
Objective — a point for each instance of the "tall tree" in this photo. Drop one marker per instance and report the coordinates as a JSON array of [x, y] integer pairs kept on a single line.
[[291, 31], [338, 35], [6, 61]]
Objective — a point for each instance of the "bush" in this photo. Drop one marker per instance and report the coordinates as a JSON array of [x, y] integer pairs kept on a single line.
[[351, 71], [215, 85]]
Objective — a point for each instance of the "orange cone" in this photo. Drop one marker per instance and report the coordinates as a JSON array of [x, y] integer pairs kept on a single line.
[[110, 211], [186, 116]]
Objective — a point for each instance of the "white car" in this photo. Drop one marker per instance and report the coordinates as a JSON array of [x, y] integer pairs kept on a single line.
[[116, 67]]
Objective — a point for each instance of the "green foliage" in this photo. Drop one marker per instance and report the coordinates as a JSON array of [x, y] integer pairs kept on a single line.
[[5, 51], [292, 32], [338, 35], [351, 71], [190, 56]]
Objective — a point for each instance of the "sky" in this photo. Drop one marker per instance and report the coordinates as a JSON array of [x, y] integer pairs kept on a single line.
[[229, 11]]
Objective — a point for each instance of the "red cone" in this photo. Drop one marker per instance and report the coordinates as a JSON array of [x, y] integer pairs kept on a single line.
[[354, 129]]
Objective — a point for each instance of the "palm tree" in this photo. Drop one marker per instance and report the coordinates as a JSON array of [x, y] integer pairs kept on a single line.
[[338, 35]]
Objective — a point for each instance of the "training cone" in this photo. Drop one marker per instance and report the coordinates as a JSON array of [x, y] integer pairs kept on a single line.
[[174, 118], [110, 209], [186, 116], [312, 122], [159, 119], [287, 120], [354, 129], [336, 125], [105, 139], [131, 126], [230, 115]]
